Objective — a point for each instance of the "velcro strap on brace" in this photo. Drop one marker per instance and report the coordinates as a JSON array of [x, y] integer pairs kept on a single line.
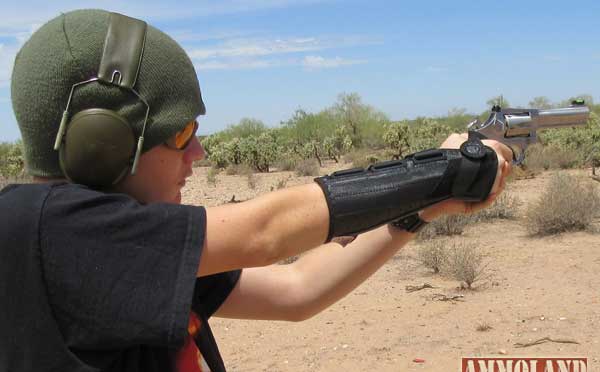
[[361, 199]]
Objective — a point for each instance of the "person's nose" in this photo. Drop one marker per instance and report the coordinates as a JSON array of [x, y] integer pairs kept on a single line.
[[194, 151]]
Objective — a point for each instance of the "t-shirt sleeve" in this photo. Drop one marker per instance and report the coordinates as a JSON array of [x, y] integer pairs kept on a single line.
[[211, 291], [119, 273]]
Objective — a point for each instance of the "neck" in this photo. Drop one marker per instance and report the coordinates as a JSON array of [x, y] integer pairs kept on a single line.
[[37, 179]]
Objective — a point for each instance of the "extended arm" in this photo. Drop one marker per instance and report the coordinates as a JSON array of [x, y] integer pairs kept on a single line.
[[328, 273], [318, 279], [281, 224]]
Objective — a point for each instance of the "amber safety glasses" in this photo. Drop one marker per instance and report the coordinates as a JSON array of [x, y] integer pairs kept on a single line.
[[183, 138]]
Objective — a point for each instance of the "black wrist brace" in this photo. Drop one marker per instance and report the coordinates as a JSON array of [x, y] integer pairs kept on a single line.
[[362, 199]]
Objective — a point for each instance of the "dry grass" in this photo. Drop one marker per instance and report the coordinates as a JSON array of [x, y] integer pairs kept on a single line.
[[505, 207], [483, 327], [445, 226], [202, 163], [307, 167], [252, 181], [281, 184], [238, 169], [211, 176], [466, 263], [361, 158], [540, 158], [434, 254], [287, 163], [568, 203]]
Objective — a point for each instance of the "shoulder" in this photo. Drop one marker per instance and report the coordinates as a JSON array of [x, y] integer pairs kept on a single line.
[[75, 205], [23, 198]]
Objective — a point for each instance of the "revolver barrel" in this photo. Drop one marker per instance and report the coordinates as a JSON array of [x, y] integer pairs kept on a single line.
[[524, 122]]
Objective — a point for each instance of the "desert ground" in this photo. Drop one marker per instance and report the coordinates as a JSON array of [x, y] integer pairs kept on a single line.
[[538, 287]]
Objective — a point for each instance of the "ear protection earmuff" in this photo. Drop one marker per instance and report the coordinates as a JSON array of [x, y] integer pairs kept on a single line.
[[97, 146]]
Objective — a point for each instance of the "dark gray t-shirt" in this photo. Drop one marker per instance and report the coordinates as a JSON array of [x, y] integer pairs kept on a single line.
[[91, 281]]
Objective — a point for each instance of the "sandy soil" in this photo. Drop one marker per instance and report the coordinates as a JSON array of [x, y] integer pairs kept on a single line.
[[540, 287]]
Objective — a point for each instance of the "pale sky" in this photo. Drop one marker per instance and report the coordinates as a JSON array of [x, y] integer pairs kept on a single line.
[[265, 59]]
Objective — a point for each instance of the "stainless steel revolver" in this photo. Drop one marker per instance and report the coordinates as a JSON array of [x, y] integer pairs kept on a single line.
[[517, 128]]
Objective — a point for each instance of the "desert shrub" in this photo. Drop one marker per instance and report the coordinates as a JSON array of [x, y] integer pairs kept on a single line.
[[251, 177], [433, 254], [407, 137], [206, 162], [567, 160], [286, 163], [362, 158], [535, 159], [307, 167], [337, 144], [211, 176], [504, 207], [521, 173], [568, 203], [352, 156], [445, 226], [540, 157], [281, 184], [12, 162], [10, 180], [5, 182], [260, 151], [218, 157], [483, 327], [466, 263], [238, 169]]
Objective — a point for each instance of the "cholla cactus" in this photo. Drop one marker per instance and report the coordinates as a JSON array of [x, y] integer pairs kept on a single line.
[[12, 164]]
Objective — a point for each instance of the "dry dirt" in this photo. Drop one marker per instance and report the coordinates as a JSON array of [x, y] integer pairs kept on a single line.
[[540, 287]]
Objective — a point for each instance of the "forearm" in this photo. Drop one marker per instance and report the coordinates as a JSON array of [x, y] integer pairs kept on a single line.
[[318, 279], [264, 230], [328, 273]]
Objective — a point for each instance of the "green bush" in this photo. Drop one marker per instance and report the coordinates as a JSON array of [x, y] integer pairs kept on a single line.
[[407, 137], [568, 203], [12, 163], [260, 151]]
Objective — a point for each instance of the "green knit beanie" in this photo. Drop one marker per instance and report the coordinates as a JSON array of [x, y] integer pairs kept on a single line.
[[67, 50]]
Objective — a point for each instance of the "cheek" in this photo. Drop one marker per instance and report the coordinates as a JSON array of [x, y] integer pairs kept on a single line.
[[158, 177], [166, 174]]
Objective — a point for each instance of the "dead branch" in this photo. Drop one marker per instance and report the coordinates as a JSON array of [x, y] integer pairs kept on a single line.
[[414, 288], [544, 340], [234, 201], [443, 297]]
